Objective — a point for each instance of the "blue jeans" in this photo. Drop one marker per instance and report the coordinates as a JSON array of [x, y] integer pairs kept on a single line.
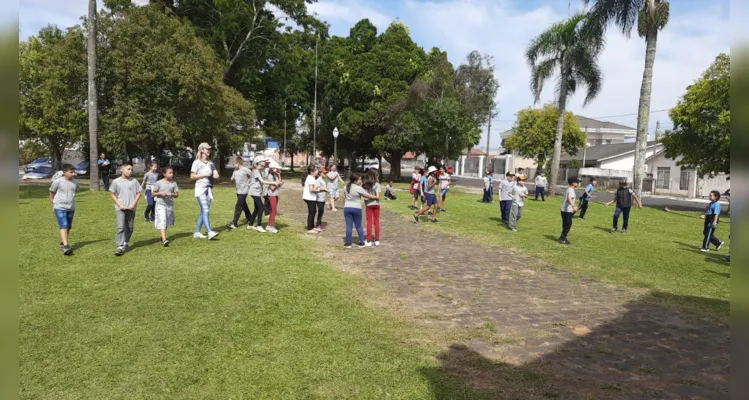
[[64, 218], [540, 190], [504, 209], [620, 211], [205, 212], [353, 218]]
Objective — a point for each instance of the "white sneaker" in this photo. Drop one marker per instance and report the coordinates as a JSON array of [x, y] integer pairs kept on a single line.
[[260, 229], [368, 243], [377, 243], [313, 232], [198, 235], [212, 235]]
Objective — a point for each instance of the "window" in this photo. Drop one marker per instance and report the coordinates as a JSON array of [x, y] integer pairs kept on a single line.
[[608, 141], [684, 180], [663, 178]]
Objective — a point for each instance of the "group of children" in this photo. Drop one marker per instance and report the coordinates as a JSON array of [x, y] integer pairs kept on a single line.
[[424, 188]]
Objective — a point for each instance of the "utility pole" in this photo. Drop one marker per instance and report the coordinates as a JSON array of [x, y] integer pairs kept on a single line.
[[488, 135], [283, 162], [314, 120]]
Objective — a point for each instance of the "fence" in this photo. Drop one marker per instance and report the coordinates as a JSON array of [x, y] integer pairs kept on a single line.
[[470, 167]]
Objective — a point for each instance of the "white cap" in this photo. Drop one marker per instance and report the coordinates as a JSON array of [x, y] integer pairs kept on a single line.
[[431, 169], [274, 164], [259, 159]]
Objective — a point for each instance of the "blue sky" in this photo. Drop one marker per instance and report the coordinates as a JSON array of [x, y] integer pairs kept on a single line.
[[698, 30]]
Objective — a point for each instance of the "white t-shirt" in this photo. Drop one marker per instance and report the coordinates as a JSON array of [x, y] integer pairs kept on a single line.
[[202, 168], [541, 181], [307, 195], [444, 181]]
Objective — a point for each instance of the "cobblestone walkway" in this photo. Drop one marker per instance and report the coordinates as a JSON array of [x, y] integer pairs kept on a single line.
[[599, 340]]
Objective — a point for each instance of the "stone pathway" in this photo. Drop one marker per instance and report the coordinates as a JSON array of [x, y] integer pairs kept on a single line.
[[600, 341]]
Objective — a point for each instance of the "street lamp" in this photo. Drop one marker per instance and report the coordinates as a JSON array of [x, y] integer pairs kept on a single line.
[[335, 146]]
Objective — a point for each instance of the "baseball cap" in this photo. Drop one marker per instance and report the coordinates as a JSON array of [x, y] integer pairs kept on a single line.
[[259, 159], [521, 177], [274, 164], [573, 179], [510, 173], [204, 145]]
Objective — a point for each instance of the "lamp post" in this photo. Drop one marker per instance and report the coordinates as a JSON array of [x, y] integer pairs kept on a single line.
[[335, 146]]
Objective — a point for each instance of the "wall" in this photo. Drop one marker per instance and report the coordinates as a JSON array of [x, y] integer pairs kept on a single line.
[[625, 162], [696, 186]]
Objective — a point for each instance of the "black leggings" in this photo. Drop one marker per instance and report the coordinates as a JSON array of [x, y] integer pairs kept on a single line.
[[311, 210], [320, 212], [257, 212], [566, 223]]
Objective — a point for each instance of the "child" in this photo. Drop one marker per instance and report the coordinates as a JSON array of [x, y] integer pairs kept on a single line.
[[62, 196], [149, 179], [431, 198], [491, 185], [309, 195], [165, 191], [487, 183], [389, 191], [241, 177], [256, 192], [444, 188], [541, 182], [272, 195], [422, 186], [333, 178], [711, 223], [321, 192], [586, 197], [519, 193], [505, 201], [372, 186], [568, 209], [126, 192], [623, 199], [415, 193], [352, 208]]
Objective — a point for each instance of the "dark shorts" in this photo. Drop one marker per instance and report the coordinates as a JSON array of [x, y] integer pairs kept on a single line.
[[64, 218], [417, 194], [431, 199]]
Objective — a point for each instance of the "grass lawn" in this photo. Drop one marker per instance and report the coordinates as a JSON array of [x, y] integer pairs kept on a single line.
[[660, 252], [247, 316]]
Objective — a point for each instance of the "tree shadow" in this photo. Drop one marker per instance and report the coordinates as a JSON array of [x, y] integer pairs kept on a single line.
[[648, 351], [723, 274], [34, 190]]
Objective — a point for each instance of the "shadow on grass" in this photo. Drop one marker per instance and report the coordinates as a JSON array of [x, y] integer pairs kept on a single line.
[[81, 245], [723, 274], [649, 351], [155, 240], [35, 190]]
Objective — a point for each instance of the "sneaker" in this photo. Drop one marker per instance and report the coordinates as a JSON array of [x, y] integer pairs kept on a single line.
[[322, 227], [127, 247], [260, 229], [581, 218], [429, 213], [624, 231], [416, 219], [368, 243], [727, 258], [361, 245], [719, 246], [67, 250], [347, 246], [231, 227], [212, 235], [704, 250], [147, 219], [313, 231], [198, 235], [613, 230], [377, 243], [165, 243], [120, 251], [514, 230], [433, 220]]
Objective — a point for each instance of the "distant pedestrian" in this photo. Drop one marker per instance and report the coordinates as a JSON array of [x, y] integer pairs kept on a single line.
[[519, 193], [352, 210], [491, 185], [372, 186], [568, 209], [423, 184], [241, 177], [104, 166], [165, 191], [126, 192], [62, 196], [505, 201], [431, 199], [322, 191], [487, 184], [586, 196], [711, 216], [541, 182], [149, 179], [203, 173], [445, 182], [623, 199]]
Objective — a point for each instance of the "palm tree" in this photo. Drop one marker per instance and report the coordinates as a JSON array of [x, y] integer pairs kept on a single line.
[[650, 16], [571, 49], [93, 124]]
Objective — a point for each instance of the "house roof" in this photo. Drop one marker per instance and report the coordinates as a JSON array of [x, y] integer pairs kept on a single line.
[[596, 124], [603, 151], [409, 155], [475, 152]]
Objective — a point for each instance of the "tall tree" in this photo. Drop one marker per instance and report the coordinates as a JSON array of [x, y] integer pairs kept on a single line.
[[571, 49], [650, 16], [93, 110], [702, 122]]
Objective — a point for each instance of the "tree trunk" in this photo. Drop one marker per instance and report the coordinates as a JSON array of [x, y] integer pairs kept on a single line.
[[560, 131], [395, 166], [93, 121], [643, 115]]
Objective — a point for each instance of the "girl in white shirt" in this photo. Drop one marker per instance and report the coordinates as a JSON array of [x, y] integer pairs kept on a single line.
[[310, 197]]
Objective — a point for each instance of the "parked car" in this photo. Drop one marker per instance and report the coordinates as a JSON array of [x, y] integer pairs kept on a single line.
[[81, 169], [39, 162], [367, 166], [39, 173], [230, 165]]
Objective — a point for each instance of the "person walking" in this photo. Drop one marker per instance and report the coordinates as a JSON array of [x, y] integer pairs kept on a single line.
[[519, 193], [490, 175], [126, 192], [274, 190], [568, 209], [352, 210], [203, 173], [256, 193], [62, 196], [165, 191], [445, 182], [309, 195], [711, 216], [415, 188], [428, 194], [241, 177], [623, 199], [372, 186], [149, 180], [505, 200], [586, 196], [104, 166], [541, 182]]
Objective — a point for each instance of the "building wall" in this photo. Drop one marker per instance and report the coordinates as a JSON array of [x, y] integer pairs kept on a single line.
[[692, 186], [625, 162]]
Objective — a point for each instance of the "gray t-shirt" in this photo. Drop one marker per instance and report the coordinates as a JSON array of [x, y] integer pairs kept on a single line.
[[270, 191], [320, 184], [354, 196], [242, 179], [64, 191], [505, 187], [375, 190], [333, 178], [256, 187], [566, 206], [125, 190], [164, 186], [517, 195], [150, 178]]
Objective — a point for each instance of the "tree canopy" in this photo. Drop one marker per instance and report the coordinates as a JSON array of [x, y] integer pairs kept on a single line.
[[701, 136]]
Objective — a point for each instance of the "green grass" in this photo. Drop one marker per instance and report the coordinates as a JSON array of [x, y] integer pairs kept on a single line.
[[660, 252], [247, 316]]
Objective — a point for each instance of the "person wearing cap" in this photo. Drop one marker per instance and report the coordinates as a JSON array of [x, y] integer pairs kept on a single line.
[[445, 182], [519, 193], [272, 192], [429, 196], [568, 209], [541, 183], [255, 191], [505, 200], [623, 199], [586, 196], [203, 173]]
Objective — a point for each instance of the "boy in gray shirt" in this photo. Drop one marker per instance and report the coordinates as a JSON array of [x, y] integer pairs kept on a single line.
[[568, 209], [165, 191], [505, 201], [126, 192], [62, 196], [241, 178], [519, 193]]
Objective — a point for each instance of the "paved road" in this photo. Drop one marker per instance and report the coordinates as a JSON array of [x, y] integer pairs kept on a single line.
[[603, 197]]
